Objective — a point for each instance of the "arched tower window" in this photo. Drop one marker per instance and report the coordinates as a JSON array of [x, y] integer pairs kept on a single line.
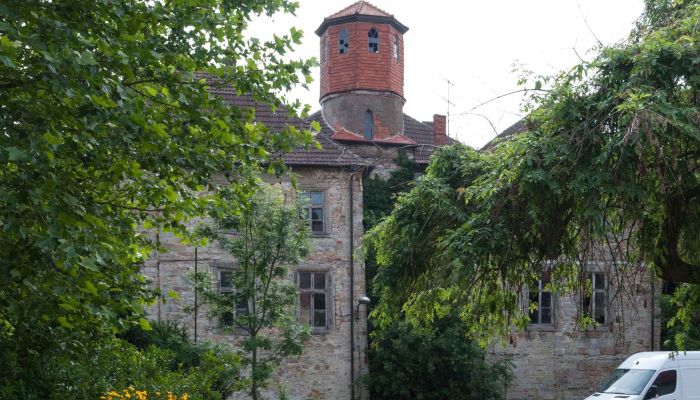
[[369, 125], [373, 40], [343, 41], [395, 47]]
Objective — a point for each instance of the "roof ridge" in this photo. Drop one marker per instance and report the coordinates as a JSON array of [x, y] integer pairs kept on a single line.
[[359, 8]]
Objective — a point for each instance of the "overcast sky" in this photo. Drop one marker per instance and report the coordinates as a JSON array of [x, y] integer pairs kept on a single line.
[[475, 45]]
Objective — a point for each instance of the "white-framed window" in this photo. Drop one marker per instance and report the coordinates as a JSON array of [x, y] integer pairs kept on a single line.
[[314, 211], [234, 308], [541, 302], [343, 41], [373, 41], [313, 299], [395, 47], [595, 303]]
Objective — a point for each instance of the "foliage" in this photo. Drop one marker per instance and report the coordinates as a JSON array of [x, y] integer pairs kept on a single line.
[[264, 238], [133, 393], [680, 319], [438, 363], [378, 198], [170, 336], [379, 194], [107, 126], [114, 363], [607, 164]]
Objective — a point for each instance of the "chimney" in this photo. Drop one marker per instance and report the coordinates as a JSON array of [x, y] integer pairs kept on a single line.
[[439, 130]]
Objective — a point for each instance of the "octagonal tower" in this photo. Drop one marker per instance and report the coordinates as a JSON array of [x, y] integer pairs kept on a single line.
[[362, 73]]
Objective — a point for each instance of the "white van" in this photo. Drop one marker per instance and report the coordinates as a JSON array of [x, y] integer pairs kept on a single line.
[[654, 375]]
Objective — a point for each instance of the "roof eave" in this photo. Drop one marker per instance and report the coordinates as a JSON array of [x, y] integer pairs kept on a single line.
[[362, 18]]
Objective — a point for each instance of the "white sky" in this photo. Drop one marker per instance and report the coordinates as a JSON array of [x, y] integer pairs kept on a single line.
[[475, 45]]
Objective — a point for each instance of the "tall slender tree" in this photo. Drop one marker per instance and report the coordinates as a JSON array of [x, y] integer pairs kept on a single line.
[[264, 239]]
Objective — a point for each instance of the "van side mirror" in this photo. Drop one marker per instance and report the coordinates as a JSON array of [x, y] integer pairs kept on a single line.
[[652, 392]]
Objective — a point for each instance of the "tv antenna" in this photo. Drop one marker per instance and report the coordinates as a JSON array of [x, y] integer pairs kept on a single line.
[[449, 103]]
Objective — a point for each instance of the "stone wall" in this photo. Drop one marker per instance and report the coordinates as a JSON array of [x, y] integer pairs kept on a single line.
[[323, 370], [562, 361]]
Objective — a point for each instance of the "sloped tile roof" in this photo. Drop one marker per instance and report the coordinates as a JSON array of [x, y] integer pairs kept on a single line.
[[346, 135], [331, 154], [362, 8], [519, 126], [361, 11], [422, 134]]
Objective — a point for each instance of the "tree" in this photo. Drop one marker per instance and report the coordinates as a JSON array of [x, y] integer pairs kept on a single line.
[[107, 126], [435, 363], [607, 164], [264, 239]]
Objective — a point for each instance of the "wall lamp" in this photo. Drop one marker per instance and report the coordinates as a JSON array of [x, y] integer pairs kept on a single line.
[[362, 300]]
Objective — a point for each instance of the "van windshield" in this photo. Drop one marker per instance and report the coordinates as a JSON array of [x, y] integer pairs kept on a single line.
[[627, 381]]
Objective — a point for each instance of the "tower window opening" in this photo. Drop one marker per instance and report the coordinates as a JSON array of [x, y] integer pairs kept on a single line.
[[369, 125], [396, 47], [373, 40], [343, 41]]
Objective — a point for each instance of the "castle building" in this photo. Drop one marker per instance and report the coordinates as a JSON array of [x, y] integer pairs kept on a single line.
[[363, 129]]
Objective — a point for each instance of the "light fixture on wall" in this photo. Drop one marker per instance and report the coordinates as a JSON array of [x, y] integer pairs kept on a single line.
[[362, 300]]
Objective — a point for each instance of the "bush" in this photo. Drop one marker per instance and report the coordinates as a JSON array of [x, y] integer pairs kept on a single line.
[[161, 361], [432, 364]]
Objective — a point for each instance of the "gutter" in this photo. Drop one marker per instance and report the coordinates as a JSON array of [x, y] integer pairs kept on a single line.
[[351, 179]]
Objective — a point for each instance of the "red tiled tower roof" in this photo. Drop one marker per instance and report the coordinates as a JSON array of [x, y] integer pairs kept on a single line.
[[361, 11], [361, 7]]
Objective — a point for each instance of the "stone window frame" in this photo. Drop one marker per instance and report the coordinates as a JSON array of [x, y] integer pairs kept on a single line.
[[541, 290], [589, 305], [373, 40], [343, 41], [327, 291], [228, 289], [324, 211]]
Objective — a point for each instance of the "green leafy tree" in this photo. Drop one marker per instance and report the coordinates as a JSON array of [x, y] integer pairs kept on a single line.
[[607, 164], [680, 318], [107, 126], [435, 363], [265, 238]]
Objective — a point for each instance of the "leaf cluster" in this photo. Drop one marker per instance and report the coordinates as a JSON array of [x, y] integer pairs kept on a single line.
[[606, 168]]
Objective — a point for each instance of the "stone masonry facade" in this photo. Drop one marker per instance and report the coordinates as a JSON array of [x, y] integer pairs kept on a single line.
[[363, 129], [323, 369], [562, 360]]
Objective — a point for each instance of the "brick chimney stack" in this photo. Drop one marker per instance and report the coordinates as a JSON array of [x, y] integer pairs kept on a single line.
[[439, 130]]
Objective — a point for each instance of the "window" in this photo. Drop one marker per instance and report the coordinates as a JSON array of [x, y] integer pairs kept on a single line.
[[541, 297], [324, 49], [369, 125], [313, 211], [396, 47], [665, 382], [313, 307], [343, 41], [373, 40], [226, 287], [595, 303]]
